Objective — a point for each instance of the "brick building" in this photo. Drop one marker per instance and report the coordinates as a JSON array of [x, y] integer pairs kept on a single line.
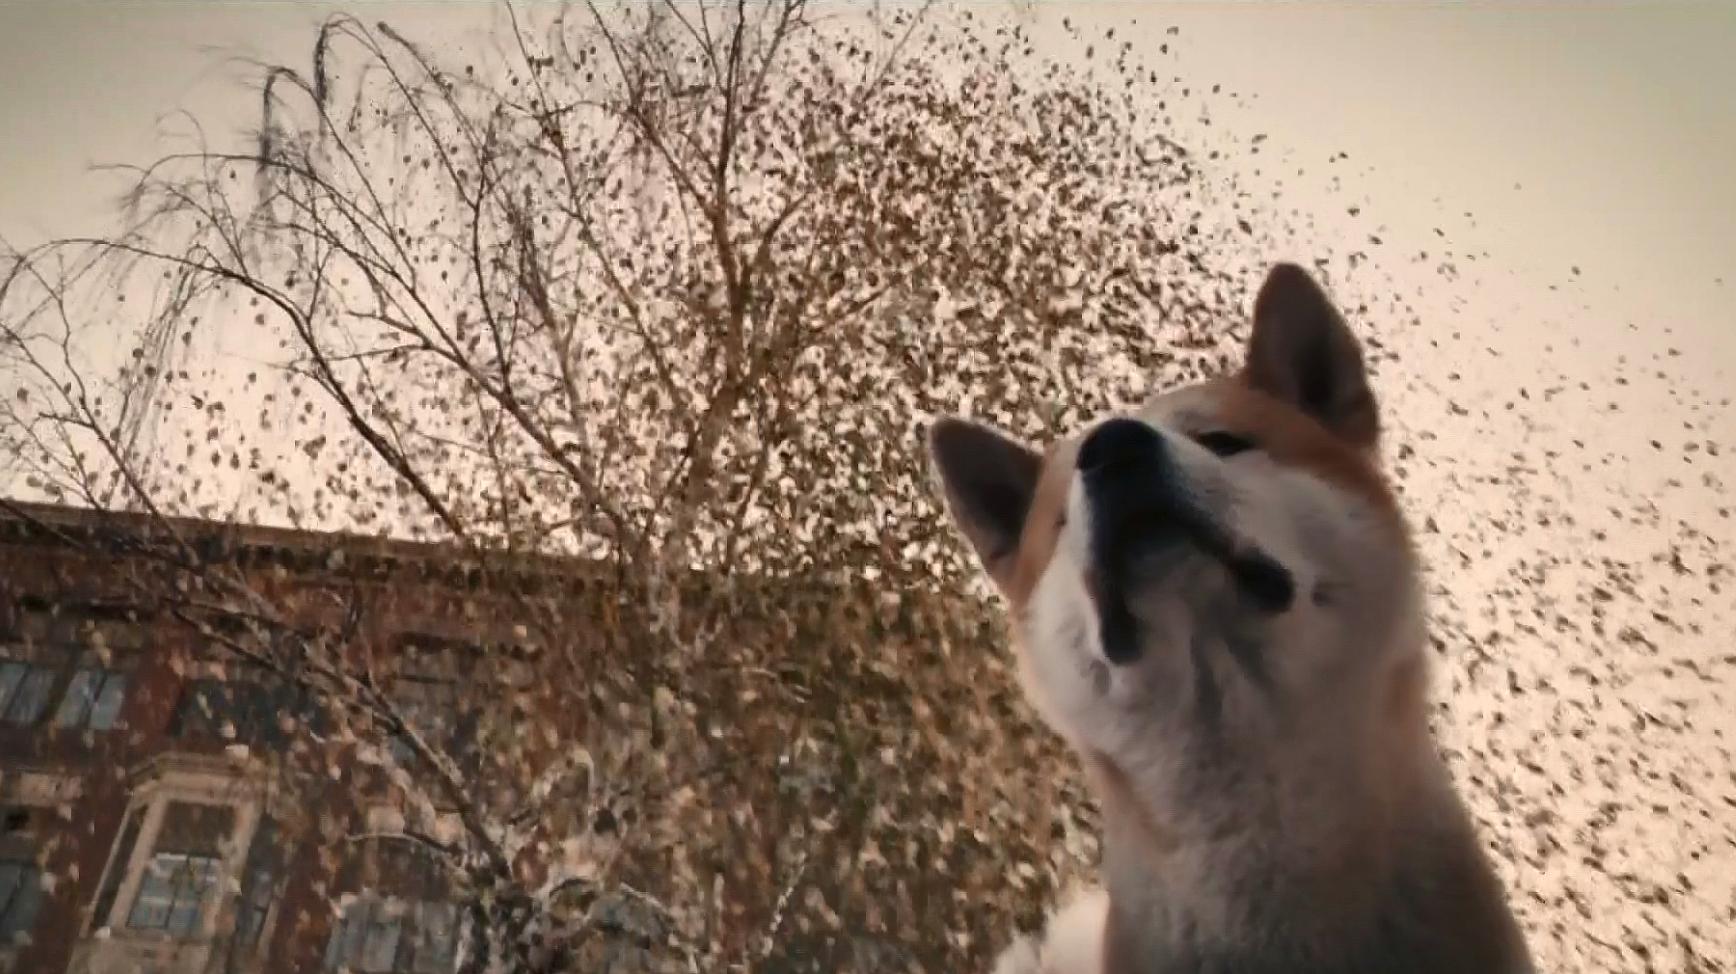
[[853, 773], [157, 814]]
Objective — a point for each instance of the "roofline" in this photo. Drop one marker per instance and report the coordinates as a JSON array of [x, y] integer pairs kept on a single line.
[[310, 551], [67, 525]]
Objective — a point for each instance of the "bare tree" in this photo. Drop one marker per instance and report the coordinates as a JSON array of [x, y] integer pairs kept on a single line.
[[666, 291]]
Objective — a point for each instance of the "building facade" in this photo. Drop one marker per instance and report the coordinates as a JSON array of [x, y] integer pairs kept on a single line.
[[168, 809], [835, 781]]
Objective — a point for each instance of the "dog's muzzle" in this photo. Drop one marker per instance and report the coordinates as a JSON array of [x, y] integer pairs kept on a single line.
[[1140, 504]]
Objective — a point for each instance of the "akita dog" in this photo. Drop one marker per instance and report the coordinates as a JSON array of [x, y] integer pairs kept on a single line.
[[1216, 603]]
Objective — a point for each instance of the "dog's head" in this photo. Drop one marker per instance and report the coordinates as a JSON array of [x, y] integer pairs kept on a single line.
[[1227, 558]]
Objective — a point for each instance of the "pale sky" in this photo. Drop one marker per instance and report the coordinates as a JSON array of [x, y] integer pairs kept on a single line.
[[1599, 134], [1615, 120], [1572, 434]]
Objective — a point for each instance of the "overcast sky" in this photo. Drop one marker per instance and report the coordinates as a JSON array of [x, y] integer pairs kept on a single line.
[[1597, 135]]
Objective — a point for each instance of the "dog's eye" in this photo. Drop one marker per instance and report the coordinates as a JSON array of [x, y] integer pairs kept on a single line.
[[1224, 444]]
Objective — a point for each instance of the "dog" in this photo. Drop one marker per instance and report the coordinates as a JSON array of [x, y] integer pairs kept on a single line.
[[1215, 602]]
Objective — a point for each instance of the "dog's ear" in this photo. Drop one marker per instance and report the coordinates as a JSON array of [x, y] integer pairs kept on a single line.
[[1303, 353], [989, 480]]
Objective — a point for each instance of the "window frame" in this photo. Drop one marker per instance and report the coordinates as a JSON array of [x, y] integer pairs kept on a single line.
[[165, 780], [50, 675], [429, 705], [408, 920], [244, 708], [114, 874], [204, 868], [259, 887], [28, 797]]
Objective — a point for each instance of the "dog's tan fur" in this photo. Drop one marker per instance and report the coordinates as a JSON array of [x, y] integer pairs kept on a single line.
[[1290, 812]]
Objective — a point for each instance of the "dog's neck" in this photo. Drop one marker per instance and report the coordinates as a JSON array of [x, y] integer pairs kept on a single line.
[[1345, 854]]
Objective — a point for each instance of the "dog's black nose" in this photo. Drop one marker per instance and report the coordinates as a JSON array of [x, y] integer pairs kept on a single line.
[[1119, 443]]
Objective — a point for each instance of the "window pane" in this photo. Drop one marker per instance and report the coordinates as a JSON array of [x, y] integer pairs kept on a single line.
[[431, 707], [250, 920], [356, 922], [436, 938], [11, 674], [390, 935], [151, 906], [258, 711], [80, 694], [30, 699], [349, 933], [380, 949], [183, 917], [11, 878], [335, 953], [107, 707], [237, 709], [20, 895], [173, 892], [194, 881], [15, 821], [191, 827], [195, 716], [258, 884]]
